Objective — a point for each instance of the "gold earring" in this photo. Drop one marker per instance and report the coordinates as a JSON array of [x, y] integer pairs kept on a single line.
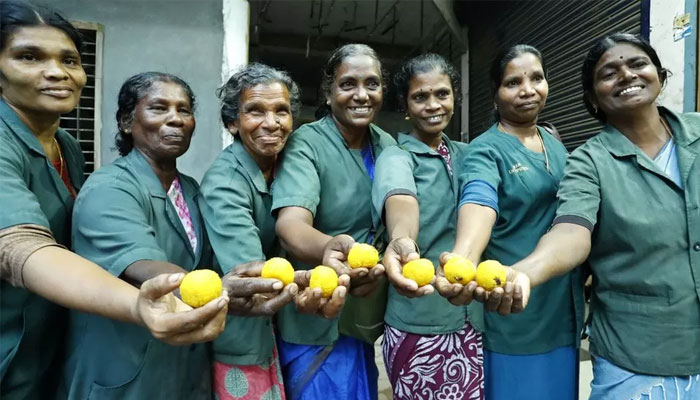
[[407, 117], [595, 109]]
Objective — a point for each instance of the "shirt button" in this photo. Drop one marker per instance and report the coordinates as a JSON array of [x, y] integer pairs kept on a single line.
[[696, 247]]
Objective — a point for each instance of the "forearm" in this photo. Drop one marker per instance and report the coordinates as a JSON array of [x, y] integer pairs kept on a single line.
[[474, 226], [402, 216], [67, 279], [565, 247], [302, 241], [143, 270]]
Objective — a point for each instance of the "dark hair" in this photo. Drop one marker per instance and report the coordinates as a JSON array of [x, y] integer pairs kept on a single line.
[[336, 58], [498, 67], [247, 77], [599, 48], [133, 90], [422, 64], [18, 14]]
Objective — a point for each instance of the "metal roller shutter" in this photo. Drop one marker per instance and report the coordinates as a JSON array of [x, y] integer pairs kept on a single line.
[[563, 31]]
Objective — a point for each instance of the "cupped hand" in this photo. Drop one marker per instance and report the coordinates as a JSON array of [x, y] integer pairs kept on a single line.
[[510, 299], [310, 301], [251, 295], [174, 322], [399, 252], [456, 293], [363, 281]]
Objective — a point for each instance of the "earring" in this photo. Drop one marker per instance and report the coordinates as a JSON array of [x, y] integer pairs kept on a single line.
[[407, 117], [495, 106], [595, 108], [328, 102]]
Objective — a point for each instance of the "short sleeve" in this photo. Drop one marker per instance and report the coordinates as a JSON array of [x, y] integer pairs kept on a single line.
[[393, 175], [226, 205], [579, 191], [111, 229], [19, 204], [297, 183], [480, 162]]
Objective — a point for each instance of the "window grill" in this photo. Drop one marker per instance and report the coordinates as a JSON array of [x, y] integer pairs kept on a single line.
[[85, 123]]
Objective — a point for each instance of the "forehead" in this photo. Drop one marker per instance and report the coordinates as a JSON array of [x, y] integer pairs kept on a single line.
[[431, 79], [358, 65], [619, 52], [523, 63], [47, 38], [273, 91], [166, 90]]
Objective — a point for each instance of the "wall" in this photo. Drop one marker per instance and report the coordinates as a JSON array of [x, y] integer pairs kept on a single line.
[[181, 37], [678, 56]]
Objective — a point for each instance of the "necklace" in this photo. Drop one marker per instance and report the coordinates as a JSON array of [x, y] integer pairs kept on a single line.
[[539, 136], [60, 156]]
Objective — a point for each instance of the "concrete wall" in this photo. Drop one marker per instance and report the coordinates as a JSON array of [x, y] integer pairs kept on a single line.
[[181, 37], [679, 56]]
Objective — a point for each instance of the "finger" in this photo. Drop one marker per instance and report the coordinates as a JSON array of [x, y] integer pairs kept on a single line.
[[444, 257], [336, 260], [165, 324], [344, 280], [302, 278], [393, 272], [507, 301], [447, 289], [357, 273], [377, 271], [309, 301], [251, 269], [270, 307], [480, 294], [244, 287], [335, 304], [202, 334], [518, 303], [160, 285], [494, 299], [425, 290]]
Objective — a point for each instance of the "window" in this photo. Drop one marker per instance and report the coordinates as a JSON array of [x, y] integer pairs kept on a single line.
[[85, 122]]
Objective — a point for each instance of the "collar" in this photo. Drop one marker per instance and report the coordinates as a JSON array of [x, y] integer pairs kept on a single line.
[[329, 128], [136, 163], [249, 165], [20, 129], [414, 145], [619, 145]]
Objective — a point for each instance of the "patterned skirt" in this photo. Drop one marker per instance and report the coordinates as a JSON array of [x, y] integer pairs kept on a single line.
[[441, 367], [249, 382]]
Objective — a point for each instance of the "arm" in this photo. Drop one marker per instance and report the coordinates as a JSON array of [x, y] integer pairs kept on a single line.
[[143, 270], [474, 225], [76, 283]]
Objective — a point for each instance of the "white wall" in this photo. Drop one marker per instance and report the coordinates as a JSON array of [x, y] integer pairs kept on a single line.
[[671, 53]]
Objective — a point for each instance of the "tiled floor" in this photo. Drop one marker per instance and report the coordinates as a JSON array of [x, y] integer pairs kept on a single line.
[[585, 375]]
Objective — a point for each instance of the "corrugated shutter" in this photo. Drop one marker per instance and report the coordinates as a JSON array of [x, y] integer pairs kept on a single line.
[[563, 31]]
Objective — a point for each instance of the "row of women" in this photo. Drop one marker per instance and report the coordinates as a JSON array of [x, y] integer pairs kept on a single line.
[[627, 203]]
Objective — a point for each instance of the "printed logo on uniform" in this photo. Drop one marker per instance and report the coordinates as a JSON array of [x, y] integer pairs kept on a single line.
[[517, 168]]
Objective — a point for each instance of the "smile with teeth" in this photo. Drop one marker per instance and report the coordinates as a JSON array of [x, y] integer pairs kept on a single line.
[[434, 118], [360, 110], [630, 89]]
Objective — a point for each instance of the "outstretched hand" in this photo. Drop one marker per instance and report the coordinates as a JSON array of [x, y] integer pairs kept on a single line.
[[363, 281], [310, 300], [399, 252], [251, 295], [510, 299], [174, 322], [456, 293]]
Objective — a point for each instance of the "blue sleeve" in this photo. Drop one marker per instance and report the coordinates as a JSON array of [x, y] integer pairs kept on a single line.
[[479, 192]]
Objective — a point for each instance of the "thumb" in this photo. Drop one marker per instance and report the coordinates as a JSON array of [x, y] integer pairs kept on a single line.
[[161, 285]]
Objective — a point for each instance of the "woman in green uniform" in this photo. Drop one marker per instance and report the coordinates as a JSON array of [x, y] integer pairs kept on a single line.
[[415, 192], [322, 199], [629, 203], [138, 218], [511, 174], [258, 104], [41, 78]]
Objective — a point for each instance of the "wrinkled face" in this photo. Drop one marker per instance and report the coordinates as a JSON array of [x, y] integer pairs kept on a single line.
[[430, 102], [40, 71], [264, 119], [163, 122], [624, 79], [356, 94], [523, 91]]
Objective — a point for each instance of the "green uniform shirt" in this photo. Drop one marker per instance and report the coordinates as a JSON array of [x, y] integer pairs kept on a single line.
[[321, 173], [412, 168], [235, 204], [527, 203], [31, 192], [645, 253], [123, 215]]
